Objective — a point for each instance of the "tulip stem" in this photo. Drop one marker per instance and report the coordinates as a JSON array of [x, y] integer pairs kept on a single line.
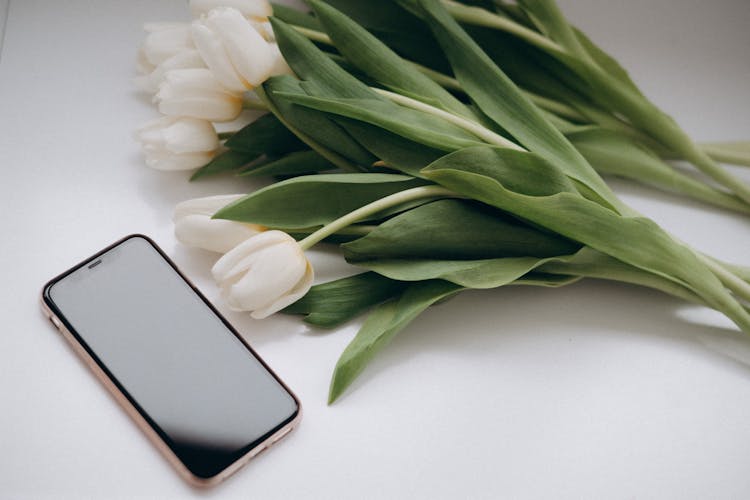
[[395, 199], [475, 128], [482, 17], [314, 35]]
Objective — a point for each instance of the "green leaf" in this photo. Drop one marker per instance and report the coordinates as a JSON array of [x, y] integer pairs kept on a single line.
[[455, 230], [499, 98], [383, 323], [529, 67], [547, 17], [264, 135], [398, 28], [297, 163], [313, 127], [224, 162], [295, 17], [634, 240], [479, 274], [408, 123], [546, 280], [606, 62], [315, 67], [313, 200], [554, 271], [614, 153], [589, 263], [378, 61], [397, 152], [330, 304]]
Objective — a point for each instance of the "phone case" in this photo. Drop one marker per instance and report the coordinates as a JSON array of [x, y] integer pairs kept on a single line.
[[100, 373]]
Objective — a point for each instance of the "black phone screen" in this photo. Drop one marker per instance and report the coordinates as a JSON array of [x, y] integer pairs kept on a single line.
[[202, 389]]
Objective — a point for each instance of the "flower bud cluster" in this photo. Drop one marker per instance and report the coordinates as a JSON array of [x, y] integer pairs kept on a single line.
[[201, 71], [198, 73]]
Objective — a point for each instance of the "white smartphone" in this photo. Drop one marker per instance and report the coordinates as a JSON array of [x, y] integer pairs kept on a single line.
[[184, 374]]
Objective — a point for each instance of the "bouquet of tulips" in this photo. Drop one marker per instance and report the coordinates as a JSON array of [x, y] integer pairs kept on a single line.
[[443, 146]]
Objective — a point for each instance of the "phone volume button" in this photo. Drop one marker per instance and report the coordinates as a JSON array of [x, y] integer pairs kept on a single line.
[[283, 433], [55, 322]]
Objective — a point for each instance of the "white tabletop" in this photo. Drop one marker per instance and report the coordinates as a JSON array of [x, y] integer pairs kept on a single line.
[[597, 390]]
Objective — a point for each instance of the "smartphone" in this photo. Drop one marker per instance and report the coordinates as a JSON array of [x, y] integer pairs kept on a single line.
[[179, 369]]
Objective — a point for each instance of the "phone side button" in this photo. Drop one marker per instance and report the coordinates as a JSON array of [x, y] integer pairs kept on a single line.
[[277, 438], [55, 322]]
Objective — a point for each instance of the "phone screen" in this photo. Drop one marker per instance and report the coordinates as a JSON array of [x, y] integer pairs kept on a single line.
[[202, 389]]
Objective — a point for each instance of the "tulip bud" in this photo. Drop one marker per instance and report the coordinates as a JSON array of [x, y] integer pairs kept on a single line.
[[162, 42], [194, 227], [172, 143], [253, 9], [186, 59], [196, 93], [264, 274], [236, 53]]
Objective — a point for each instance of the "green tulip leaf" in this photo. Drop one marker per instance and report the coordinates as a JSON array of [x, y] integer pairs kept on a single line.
[[297, 163], [313, 127], [382, 324], [502, 101], [637, 241], [264, 135], [455, 230], [295, 17], [330, 304], [399, 29], [225, 162], [397, 152], [614, 153], [314, 200], [379, 62], [413, 125], [315, 68]]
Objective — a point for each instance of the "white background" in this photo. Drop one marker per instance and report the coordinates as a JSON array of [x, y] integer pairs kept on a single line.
[[597, 390]]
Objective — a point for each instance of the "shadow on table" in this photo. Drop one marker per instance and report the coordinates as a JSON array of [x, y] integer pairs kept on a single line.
[[480, 324]]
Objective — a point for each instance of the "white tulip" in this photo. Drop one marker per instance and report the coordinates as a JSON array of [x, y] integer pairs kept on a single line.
[[194, 227], [265, 29], [142, 64], [196, 93], [254, 9], [238, 55], [163, 40], [172, 143], [264, 274], [188, 58]]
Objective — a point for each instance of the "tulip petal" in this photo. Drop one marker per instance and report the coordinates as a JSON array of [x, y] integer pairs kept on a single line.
[[271, 273], [190, 135], [263, 273], [196, 93], [249, 8], [208, 205], [215, 56], [299, 291], [165, 40], [215, 235], [222, 270], [161, 160], [185, 59], [248, 51]]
